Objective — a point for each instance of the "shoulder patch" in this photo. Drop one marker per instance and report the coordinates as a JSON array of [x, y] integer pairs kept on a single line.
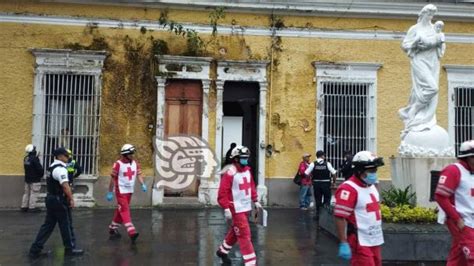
[[442, 179], [345, 194]]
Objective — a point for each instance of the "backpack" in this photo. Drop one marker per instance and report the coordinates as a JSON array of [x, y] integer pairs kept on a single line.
[[297, 178]]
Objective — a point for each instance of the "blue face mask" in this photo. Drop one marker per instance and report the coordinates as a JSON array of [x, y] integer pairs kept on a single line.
[[371, 178], [244, 161]]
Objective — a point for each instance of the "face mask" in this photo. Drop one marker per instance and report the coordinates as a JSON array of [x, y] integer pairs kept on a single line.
[[244, 162], [371, 178]]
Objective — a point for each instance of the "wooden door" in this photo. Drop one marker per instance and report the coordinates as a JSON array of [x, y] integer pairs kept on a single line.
[[183, 115]]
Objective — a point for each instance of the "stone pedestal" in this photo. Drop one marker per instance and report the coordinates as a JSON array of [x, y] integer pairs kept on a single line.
[[157, 195], [83, 192], [416, 172], [208, 192]]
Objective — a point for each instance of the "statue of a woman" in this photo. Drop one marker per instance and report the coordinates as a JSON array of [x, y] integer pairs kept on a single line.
[[422, 44]]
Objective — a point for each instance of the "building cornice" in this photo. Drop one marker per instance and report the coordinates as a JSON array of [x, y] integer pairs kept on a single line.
[[224, 30], [446, 11]]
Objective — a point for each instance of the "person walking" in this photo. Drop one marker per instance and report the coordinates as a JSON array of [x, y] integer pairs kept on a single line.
[[124, 174], [59, 202], [357, 213], [236, 193], [323, 175], [454, 194], [33, 173]]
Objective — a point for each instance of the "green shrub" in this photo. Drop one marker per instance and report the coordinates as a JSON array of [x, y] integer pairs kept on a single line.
[[408, 214], [394, 197]]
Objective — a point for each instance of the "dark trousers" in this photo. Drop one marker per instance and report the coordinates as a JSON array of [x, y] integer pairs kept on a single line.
[[57, 212], [322, 194]]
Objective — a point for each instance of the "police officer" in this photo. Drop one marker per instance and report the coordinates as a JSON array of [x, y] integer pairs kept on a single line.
[[59, 202], [321, 171], [74, 169]]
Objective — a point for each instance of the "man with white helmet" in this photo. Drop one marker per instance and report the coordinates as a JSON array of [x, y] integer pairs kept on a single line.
[[357, 213], [124, 173], [455, 196], [33, 173], [236, 194]]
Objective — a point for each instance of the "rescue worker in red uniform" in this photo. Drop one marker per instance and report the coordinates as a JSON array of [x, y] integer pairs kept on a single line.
[[124, 173], [358, 215], [236, 194], [455, 195]]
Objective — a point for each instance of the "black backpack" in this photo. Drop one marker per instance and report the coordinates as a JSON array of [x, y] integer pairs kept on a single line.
[[297, 178]]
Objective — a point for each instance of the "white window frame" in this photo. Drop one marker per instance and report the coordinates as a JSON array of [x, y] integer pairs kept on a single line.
[[458, 76], [348, 73], [63, 61]]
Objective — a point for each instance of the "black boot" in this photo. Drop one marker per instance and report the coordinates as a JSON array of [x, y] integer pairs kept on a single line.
[[224, 257], [35, 255], [73, 252], [114, 234], [134, 237]]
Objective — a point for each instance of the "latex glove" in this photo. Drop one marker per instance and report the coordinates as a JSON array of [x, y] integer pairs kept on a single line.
[[258, 205], [110, 196], [144, 189], [344, 251], [228, 214]]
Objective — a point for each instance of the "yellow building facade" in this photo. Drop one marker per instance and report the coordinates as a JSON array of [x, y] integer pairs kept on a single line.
[[279, 59]]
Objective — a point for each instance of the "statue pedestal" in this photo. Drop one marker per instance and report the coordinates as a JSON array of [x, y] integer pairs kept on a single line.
[[415, 171], [428, 143]]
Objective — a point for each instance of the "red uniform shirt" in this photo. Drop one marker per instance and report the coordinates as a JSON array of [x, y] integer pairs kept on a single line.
[[449, 180], [346, 200], [224, 195], [305, 179], [116, 169]]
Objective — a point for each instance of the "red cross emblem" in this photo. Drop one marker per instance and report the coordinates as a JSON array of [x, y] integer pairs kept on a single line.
[[374, 207], [245, 186], [129, 173]]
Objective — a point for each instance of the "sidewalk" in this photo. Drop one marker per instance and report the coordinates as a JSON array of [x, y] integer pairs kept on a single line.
[[169, 237]]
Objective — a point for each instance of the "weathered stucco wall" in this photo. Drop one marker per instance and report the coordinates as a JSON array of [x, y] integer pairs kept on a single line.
[[129, 94]]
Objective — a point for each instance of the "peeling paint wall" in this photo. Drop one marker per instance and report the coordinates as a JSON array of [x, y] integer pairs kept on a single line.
[[129, 89]]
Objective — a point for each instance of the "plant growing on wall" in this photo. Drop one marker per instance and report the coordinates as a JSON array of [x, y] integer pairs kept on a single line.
[[194, 43], [214, 18]]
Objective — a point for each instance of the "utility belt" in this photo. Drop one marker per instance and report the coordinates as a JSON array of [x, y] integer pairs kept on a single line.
[[60, 198], [351, 229], [321, 180]]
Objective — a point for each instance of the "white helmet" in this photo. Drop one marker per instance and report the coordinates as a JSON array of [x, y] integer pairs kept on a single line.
[[127, 149], [240, 151], [366, 160], [466, 149], [30, 148]]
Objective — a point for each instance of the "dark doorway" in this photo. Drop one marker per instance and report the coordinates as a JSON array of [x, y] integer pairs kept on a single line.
[[241, 99]]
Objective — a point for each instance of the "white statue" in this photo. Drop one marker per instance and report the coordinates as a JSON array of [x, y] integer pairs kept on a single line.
[[424, 45]]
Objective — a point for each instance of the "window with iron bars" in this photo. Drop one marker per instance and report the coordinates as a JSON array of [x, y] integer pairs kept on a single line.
[[71, 118], [345, 118], [464, 115]]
